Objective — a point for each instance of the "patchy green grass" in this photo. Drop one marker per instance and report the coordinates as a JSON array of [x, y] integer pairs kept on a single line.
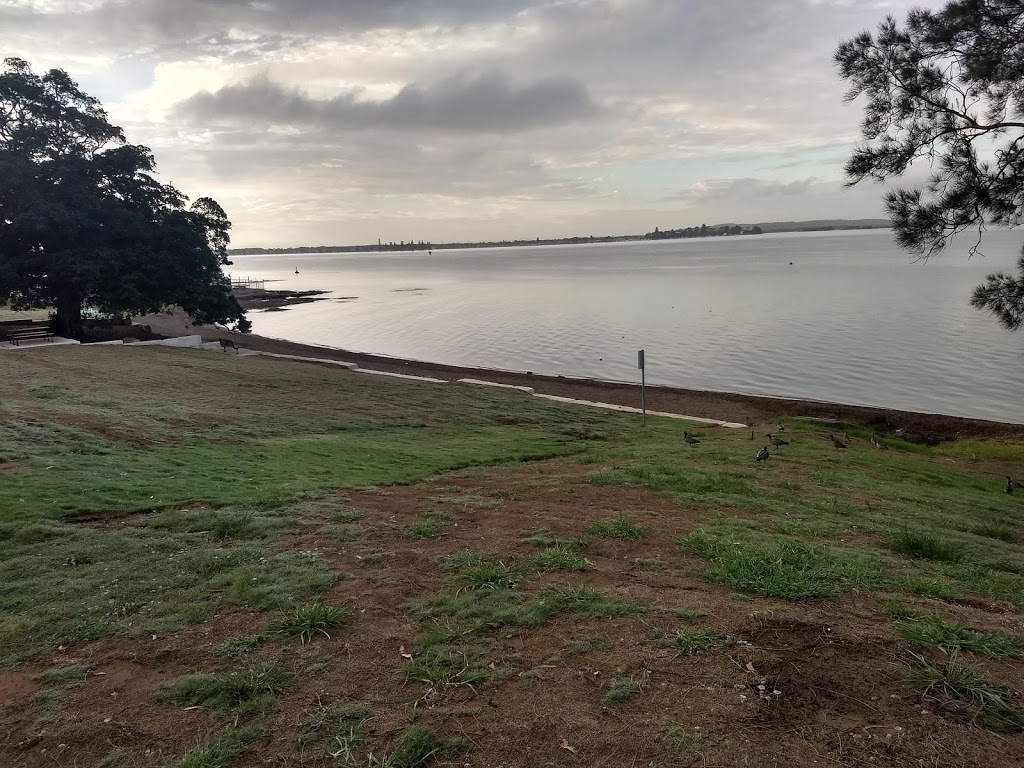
[[488, 577], [688, 742], [558, 559], [650, 563], [307, 622], [926, 546], [419, 747], [241, 694], [622, 691], [226, 751], [72, 676], [689, 641], [338, 729], [780, 567], [933, 632], [617, 529], [344, 533], [425, 529], [544, 539], [238, 646], [47, 706], [580, 647]]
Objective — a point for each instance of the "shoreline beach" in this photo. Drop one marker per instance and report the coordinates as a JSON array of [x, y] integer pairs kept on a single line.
[[748, 409]]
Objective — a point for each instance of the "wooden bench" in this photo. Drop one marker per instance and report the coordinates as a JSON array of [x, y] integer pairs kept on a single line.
[[226, 343], [28, 334]]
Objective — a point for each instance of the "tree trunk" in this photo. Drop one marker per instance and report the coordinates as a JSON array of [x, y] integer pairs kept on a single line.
[[68, 320]]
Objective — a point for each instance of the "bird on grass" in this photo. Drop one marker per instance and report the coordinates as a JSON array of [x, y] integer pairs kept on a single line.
[[780, 427], [1011, 484], [778, 442], [762, 455], [836, 441], [878, 443], [690, 440]]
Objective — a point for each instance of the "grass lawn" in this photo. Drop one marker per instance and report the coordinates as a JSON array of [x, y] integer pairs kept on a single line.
[[256, 559]]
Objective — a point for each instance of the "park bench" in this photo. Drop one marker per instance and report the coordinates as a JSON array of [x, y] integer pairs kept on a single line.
[[29, 333], [225, 343]]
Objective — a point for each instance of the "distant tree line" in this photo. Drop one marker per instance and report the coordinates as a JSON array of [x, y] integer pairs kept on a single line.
[[421, 246], [726, 230]]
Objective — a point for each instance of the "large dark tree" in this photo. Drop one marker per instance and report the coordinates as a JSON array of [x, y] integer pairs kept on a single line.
[[83, 221], [947, 88]]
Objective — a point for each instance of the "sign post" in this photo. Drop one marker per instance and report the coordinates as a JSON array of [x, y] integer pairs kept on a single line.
[[643, 384]]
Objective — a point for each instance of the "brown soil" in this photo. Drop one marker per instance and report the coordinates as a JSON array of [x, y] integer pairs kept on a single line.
[[836, 667], [746, 409]]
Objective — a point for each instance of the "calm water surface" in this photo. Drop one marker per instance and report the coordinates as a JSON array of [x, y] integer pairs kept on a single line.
[[853, 320]]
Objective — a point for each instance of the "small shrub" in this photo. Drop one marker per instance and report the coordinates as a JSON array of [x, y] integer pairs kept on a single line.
[[308, 622], [689, 742], [66, 677], [238, 646], [557, 560], [617, 529], [425, 529], [687, 641], [925, 546], [622, 691], [225, 751], [933, 632]]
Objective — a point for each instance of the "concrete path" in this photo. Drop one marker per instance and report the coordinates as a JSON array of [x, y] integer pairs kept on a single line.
[[630, 409]]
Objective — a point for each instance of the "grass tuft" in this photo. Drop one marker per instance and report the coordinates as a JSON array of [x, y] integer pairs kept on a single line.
[[418, 747], [488, 577], [925, 546], [580, 647], [544, 539], [689, 641], [964, 694], [72, 676], [229, 747], [239, 645], [617, 529], [338, 728], [558, 559], [686, 741], [307, 622], [425, 529], [253, 692], [622, 691]]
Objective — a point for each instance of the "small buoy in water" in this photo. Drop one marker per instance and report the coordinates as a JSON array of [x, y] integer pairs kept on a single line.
[[296, 271], [791, 263]]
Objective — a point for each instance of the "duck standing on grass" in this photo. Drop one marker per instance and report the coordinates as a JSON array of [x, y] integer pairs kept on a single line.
[[878, 443], [690, 440], [836, 441], [780, 427], [762, 455], [1011, 484], [778, 442]]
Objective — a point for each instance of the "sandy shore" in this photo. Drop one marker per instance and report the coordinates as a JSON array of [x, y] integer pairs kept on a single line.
[[921, 427]]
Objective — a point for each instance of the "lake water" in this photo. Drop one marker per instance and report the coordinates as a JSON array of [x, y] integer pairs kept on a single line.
[[852, 320]]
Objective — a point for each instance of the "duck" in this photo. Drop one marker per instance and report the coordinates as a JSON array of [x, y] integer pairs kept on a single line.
[[1011, 484], [836, 441], [778, 442], [690, 440], [780, 427], [878, 443], [762, 455]]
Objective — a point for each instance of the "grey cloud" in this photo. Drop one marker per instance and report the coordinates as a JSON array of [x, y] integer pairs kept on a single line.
[[488, 103], [729, 189]]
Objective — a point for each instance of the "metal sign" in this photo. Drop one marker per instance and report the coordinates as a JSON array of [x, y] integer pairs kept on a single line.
[[640, 359], [643, 383]]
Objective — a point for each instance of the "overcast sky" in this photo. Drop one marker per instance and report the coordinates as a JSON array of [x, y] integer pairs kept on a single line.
[[343, 121]]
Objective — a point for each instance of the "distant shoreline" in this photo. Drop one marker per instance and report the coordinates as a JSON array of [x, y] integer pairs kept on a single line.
[[768, 228]]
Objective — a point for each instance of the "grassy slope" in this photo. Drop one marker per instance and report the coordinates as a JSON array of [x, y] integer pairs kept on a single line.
[[114, 431], [227, 456]]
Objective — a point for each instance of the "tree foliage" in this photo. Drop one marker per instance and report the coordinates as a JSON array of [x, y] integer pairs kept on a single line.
[[946, 87], [84, 221]]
